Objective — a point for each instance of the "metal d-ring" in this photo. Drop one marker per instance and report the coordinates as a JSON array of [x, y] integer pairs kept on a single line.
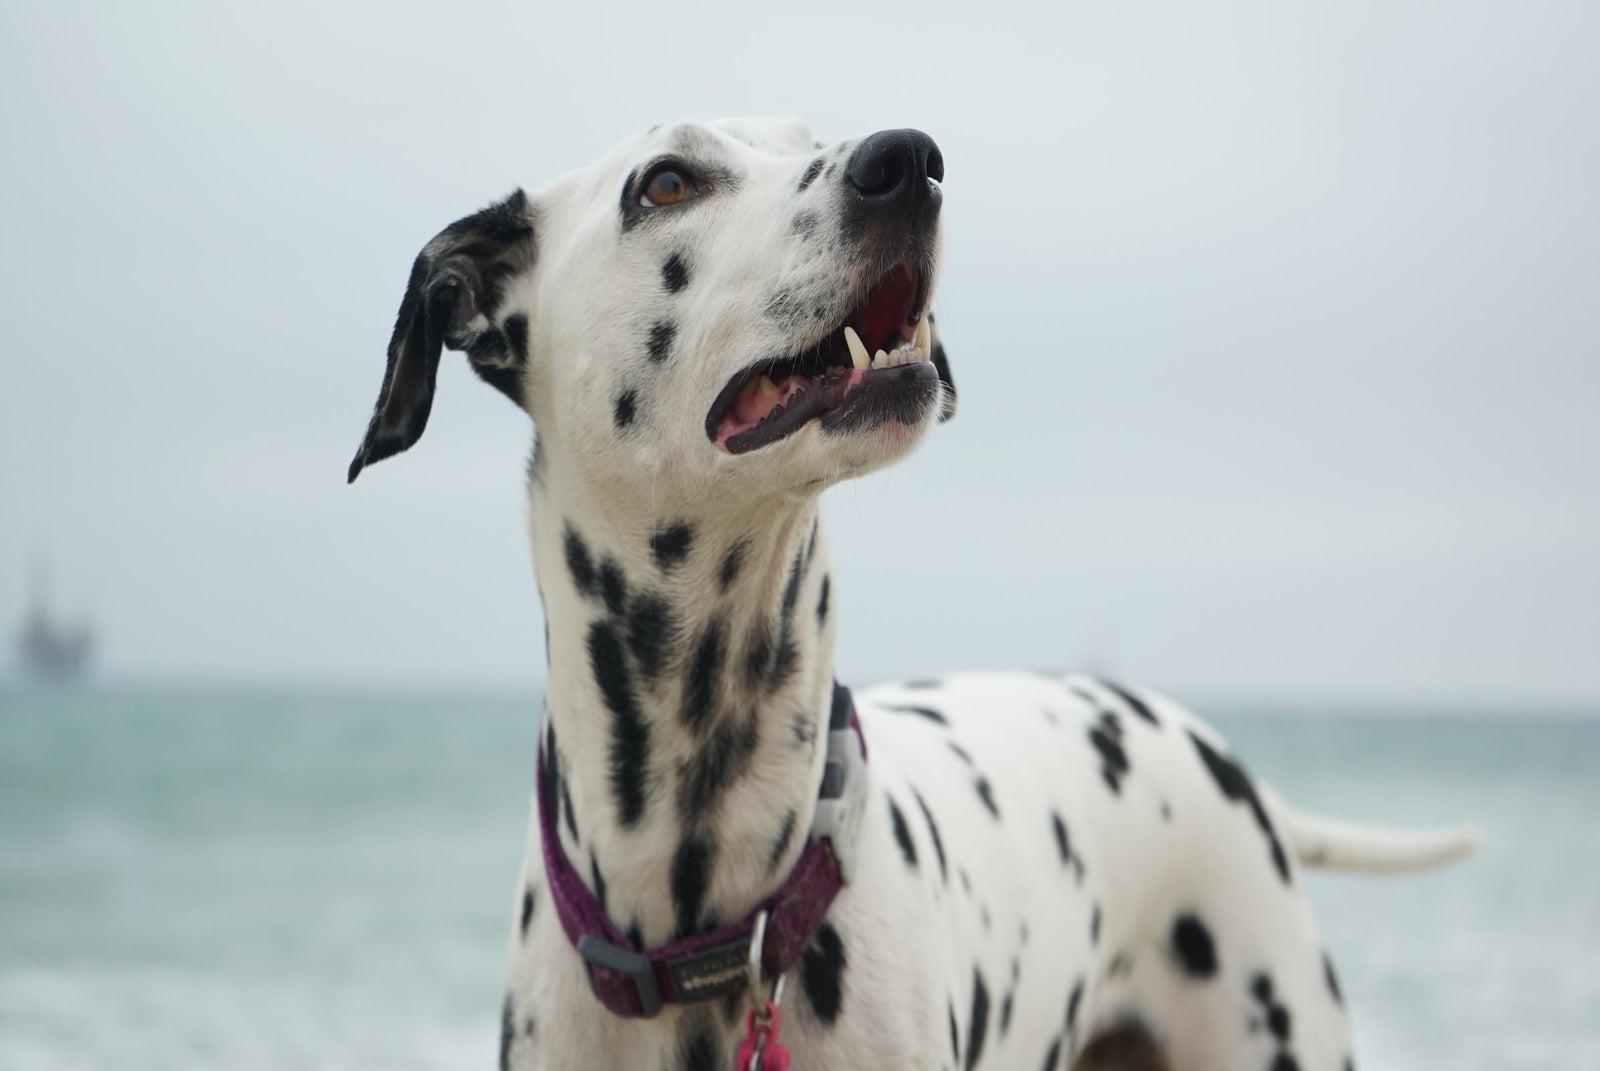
[[752, 967]]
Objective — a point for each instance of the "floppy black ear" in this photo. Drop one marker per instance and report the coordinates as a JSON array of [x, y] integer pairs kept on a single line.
[[941, 364], [455, 288]]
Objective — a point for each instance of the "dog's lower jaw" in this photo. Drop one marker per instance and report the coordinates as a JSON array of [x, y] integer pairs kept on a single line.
[[685, 732]]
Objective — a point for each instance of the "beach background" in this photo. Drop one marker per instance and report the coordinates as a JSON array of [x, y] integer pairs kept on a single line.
[[1278, 347], [326, 881]]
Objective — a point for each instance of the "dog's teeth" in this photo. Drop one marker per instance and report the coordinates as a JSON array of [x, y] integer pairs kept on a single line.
[[765, 388], [880, 360], [858, 351], [792, 389], [923, 337]]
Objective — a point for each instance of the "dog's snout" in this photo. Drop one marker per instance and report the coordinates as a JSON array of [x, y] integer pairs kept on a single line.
[[897, 171]]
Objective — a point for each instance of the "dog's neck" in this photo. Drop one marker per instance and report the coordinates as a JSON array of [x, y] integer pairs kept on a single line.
[[691, 662]]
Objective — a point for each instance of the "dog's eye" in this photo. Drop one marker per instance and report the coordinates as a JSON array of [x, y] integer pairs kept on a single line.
[[666, 186]]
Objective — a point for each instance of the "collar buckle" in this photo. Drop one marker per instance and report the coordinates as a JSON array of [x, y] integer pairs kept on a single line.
[[626, 962]]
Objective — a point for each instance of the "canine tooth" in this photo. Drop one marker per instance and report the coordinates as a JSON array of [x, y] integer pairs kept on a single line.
[[923, 336], [792, 389], [765, 388], [858, 350]]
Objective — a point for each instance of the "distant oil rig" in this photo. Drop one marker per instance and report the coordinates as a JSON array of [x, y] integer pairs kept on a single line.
[[48, 648]]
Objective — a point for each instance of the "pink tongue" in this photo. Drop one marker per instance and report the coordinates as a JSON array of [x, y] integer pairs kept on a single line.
[[751, 407]]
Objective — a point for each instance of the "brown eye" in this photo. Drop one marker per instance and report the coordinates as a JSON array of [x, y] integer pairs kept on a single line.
[[667, 186]]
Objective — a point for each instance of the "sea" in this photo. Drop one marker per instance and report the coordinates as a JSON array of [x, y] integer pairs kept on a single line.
[[253, 879]]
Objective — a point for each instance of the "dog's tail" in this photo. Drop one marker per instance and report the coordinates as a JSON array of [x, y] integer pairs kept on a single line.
[[1323, 843]]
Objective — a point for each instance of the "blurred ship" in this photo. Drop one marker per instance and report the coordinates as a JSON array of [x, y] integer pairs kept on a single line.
[[48, 648]]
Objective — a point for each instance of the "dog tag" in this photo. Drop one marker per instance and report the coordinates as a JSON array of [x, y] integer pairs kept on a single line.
[[760, 1051]]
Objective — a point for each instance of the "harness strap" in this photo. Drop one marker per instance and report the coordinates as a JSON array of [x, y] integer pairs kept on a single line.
[[635, 983]]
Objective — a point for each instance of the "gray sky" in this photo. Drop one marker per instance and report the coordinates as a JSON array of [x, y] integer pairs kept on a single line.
[[1277, 329]]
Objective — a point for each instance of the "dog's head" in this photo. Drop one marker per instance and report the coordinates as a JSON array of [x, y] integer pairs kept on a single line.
[[713, 308]]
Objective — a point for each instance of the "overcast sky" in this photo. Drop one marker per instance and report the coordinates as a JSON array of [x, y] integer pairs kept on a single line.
[[1277, 329]]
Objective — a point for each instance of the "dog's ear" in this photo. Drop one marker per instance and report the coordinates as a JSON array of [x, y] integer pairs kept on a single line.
[[941, 363], [455, 288]]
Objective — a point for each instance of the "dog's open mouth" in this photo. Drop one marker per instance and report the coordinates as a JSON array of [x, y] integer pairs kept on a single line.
[[883, 343]]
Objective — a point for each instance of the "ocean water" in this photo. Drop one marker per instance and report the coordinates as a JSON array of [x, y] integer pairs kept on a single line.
[[240, 881]]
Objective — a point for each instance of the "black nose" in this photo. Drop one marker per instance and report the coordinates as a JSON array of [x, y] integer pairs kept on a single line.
[[897, 171]]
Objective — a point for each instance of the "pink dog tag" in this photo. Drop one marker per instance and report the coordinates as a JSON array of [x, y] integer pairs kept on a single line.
[[761, 1037]]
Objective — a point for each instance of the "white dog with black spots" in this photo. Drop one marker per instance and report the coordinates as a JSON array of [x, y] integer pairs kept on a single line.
[[709, 327]]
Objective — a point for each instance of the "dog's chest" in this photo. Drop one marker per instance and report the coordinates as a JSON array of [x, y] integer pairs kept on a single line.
[[978, 921]]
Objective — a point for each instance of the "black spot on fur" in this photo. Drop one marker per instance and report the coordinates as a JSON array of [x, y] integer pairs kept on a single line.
[[715, 765], [527, 910], [821, 969], [613, 586], [622, 413], [1332, 979], [704, 669], [781, 843], [661, 336], [598, 881], [516, 330], [1135, 704], [1053, 1057], [650, 626], [1192, 945], [1278, 1020], [955, 1037], [567, 811], [552, 771], [1113, 759], [1073, 1003], [757, 654], [813, 169], [1285, 1062], [675, 274], [1094, 926], [671, 545], [978, 1025], [902, 834], [700, 1050], [986, 794], [1062, 845], [959, 752], [922, 712], [933, 834], [787, 653], [508, 1028], [805, 223], [691, 874], [1237, 787], [1005, 1011], [802, 729], [822, 601], [580, 566], [732, 562], [630, 735]]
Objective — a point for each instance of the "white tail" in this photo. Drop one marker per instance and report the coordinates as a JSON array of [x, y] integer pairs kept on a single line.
[[1323, 843]]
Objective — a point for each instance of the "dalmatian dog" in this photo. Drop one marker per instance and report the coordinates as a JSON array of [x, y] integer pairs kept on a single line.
[[709, 327]]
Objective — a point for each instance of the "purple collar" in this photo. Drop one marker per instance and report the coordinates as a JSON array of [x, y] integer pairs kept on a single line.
[[633, 983]]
